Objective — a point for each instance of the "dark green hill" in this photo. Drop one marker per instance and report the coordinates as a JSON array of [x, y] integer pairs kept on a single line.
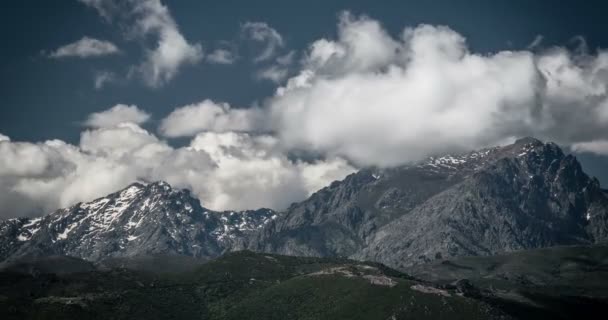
[[553, 283], [241, 285]]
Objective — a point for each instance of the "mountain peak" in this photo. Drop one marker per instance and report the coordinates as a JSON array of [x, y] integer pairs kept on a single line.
[[139, 219], [528, 140]]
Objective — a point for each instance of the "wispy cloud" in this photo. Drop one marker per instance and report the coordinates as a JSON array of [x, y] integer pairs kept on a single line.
[[262, 33], [222, 56], [85, 48], [150, 18], [102, 78], [278, 71]]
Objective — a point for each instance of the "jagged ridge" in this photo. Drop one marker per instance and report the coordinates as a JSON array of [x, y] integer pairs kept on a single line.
[[140, 219]]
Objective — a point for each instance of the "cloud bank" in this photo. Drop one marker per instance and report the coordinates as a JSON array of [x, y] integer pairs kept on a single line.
[[226, 170]]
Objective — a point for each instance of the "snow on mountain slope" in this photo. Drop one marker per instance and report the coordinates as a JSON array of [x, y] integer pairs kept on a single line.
[[140, 219]]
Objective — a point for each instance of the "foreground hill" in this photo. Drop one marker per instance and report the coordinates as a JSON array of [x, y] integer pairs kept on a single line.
[[554, 283], [241, 285]]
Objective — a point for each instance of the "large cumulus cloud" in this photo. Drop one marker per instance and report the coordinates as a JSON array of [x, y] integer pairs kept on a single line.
[[367, 97], [383, 100]]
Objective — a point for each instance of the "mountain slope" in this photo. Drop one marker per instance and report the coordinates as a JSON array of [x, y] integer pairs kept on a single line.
[[525, 195], [139, 220]]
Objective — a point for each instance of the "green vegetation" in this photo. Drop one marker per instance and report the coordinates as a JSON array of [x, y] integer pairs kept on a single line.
[[552, 283], [242, 285]]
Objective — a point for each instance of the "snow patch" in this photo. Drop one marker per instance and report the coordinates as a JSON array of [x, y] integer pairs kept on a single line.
[[32, 222], [66, 231]]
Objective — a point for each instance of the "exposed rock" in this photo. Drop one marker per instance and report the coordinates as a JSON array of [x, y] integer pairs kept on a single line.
[[525, 195], [139, 220]]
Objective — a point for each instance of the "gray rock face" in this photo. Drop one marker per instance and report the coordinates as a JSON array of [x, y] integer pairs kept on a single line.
[[139, 220], [525, 195]]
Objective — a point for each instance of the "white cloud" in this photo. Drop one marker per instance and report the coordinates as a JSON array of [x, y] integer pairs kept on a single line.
[[595, 146], [172, 50], [210, 116], [362, 46], [251, 172], [262, 33], [151, 19], [84, 48], [225, 170], [119, 113], [379, 100], [222, 56], [118, 141]]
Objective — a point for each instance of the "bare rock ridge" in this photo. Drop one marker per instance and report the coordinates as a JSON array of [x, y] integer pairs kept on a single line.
[[525, 195]]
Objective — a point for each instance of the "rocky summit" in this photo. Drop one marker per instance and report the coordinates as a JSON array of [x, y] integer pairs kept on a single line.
[[521, 196]]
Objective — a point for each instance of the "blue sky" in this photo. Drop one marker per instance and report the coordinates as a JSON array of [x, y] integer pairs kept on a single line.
[[54, 95], [253, 104]]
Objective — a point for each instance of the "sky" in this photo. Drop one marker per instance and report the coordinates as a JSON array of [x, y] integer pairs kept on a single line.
[[260, 104]]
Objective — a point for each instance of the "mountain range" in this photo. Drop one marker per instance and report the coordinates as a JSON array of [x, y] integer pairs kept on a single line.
[[509, 232], [521, 196]]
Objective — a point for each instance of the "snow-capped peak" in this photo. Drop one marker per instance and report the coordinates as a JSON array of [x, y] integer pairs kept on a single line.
[[137, 219]]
